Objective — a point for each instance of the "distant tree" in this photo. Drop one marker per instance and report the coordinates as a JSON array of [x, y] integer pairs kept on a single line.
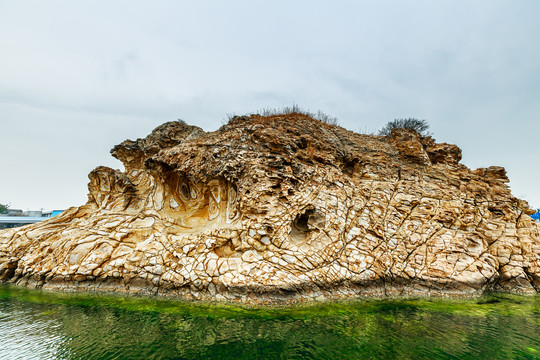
[[3, 208], [420, 126]]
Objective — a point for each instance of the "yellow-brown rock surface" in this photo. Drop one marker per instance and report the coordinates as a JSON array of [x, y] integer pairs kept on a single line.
[[283, 208]]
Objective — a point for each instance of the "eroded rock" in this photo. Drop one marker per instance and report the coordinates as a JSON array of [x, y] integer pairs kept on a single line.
[[283, 208]]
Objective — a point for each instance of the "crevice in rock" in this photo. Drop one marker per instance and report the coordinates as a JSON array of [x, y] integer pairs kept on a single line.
[[495, 211], [8, 272], [225, 250]]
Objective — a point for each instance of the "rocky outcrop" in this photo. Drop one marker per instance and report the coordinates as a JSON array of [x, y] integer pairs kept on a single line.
[[284, 208]]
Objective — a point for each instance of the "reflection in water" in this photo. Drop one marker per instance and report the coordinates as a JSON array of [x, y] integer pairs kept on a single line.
[[38, 325], [26, 331]]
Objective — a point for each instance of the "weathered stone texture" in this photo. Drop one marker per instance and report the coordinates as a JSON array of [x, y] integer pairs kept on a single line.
[[284, 208]]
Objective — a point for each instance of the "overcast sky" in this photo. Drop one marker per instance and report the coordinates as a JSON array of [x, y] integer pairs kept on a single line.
[[77, 77]]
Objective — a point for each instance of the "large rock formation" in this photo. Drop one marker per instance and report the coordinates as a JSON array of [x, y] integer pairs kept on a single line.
[[284, 208]]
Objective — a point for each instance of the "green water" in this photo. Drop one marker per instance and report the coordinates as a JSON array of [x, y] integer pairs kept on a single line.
[[45, 325]]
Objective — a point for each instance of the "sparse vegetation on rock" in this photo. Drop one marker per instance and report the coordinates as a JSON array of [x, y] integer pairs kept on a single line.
[[296, 110], [420, 126]]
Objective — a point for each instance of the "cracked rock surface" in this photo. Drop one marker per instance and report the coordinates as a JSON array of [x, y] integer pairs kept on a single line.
[[283, 208]]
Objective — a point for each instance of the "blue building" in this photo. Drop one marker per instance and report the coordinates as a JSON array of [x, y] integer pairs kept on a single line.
[[536, 216], [56, 212]]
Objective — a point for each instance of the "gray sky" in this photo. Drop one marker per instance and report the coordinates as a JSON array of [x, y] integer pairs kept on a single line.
[[77, 77]]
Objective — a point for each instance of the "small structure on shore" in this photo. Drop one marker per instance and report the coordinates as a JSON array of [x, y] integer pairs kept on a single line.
[[16, 217]]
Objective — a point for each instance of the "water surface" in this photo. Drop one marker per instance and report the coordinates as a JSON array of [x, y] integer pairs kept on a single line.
[[46, 325]]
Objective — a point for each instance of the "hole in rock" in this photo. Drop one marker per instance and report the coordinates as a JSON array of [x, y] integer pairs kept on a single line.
[[309, 220], [302, 143], [496, 212], [350, 166], [185, 191], [301, 221]]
